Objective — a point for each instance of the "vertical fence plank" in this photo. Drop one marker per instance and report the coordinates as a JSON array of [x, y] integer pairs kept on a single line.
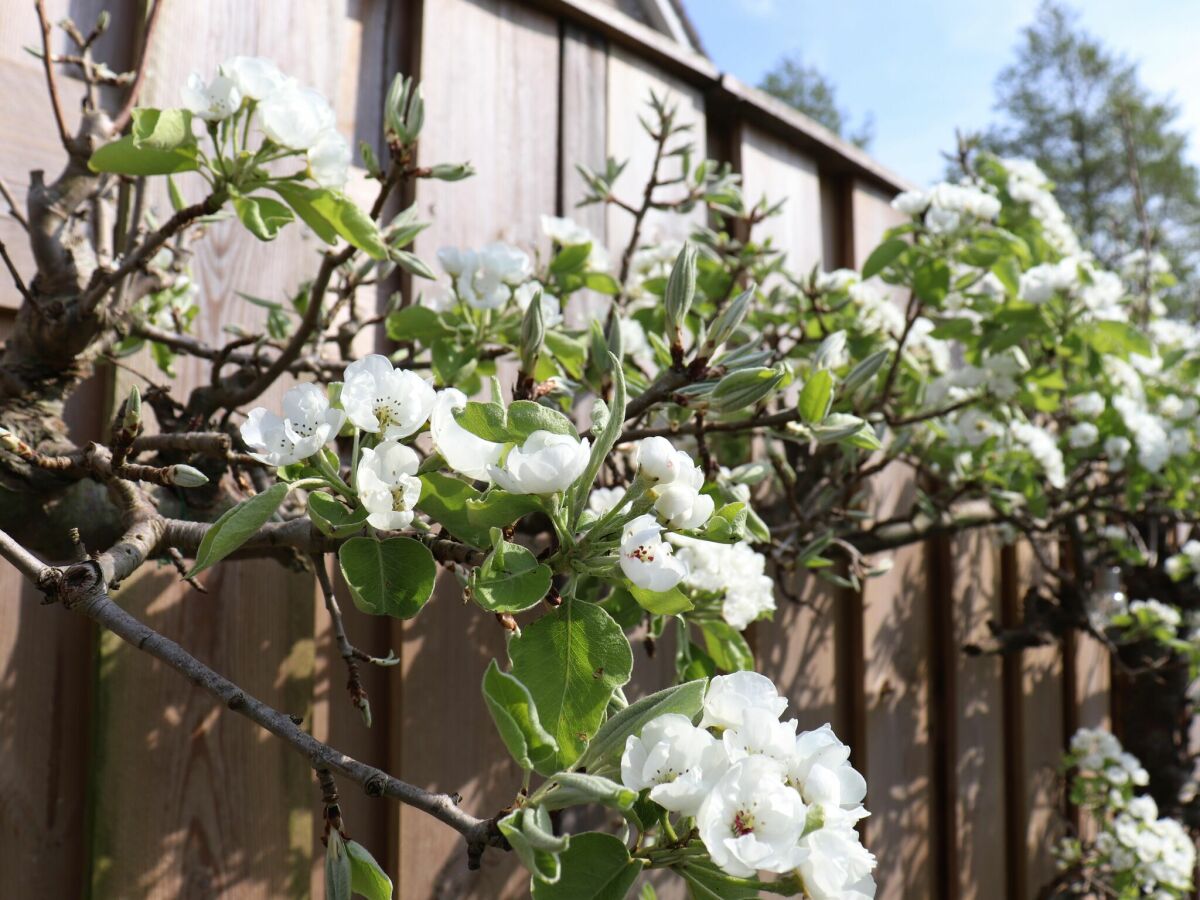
[[979, 746], [773, 170], [229, 811], [504, 69]]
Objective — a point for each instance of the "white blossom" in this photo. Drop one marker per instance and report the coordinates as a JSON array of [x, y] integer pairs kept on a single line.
[[820, 770], [679, 762], [752, 821], [546, 463], [380, 398], [1044, 449], [551, 305], [735, 571], [294, 116], [1088, 405], [604, 499], [211, 101], [761, 734], [834, 865], [1042, 282], [387, 484], [255, 77], [646, 559], [329, 159], [463, 451], [729, 697], [1083, 434], [306, 426]]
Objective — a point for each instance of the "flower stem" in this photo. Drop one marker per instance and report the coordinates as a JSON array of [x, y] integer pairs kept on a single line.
[[331, 475]]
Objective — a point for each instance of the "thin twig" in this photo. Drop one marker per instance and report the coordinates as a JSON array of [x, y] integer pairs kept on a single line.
[[12, 205], [12, 270], [122, 118], [51, 82], [358, 694]]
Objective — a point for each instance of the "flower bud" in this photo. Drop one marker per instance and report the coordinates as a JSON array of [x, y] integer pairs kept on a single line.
[[452, 171], [132, 422], [681, 290], [745, 387], [187, 477], [533, 332]]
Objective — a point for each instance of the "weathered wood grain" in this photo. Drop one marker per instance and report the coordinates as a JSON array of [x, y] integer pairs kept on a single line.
[[775, 171]]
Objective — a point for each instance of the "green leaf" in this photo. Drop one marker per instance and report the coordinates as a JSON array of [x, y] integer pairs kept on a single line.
[[162, 129], [570, 352], [602, 283], [727, 647], [516, 718], [486, 420], [510, 579], [728, 524], [606, 747], [367, 876], [595, 866], [236, 526], [444, 499], [331, 213], [572, 660], [570, 259], [1120, 338], [417, 323], [452, 362], [262, 216], [575, 789], [123, 158], [333, 518], [883, 256], [499, 509], [298, 198], [339, 873], [865, 370], [526, 417], [412, 263], [662, 603], [707, 882], [815, 398], [349, 221], [528, 838], [393, 577]]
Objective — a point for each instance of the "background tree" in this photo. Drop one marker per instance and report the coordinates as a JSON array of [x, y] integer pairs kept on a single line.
[[808, 89], [1113, 148]]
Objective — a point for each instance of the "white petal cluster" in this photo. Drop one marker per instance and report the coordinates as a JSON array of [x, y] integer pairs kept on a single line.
[[604, 499], [213, 100], [1148, 430], [307, 425], [1185, 562], [484, 279], [676, 482], [1156, 612], [1082, 435], [947, 207], [764, 799], [289, 114], [1028, 184], [381, 399], [734, 572], [546, 463], [1040, 283], [646, 559], [1044, 449], [387, 484], [1088, 405]]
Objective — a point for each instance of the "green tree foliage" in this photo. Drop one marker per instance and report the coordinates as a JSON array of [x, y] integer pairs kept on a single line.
[[1080, 110], [807, 89]]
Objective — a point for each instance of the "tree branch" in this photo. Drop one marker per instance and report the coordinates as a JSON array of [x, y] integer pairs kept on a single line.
[[51, 82], [122, 118]]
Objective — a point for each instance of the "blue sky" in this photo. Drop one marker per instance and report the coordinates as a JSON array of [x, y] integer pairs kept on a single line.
[[925, 67]]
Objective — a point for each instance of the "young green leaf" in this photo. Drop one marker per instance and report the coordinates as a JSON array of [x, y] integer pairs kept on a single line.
[[596, 866], [262, 216], [516, 718], [661, 603], [162, 129], [816, 396], [393, 577], [333, 518], [367, 876], [236, 526], [572, 660], [606, 747], [883, 256], [123, 158]]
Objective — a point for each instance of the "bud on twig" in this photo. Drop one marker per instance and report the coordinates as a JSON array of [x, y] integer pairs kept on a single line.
[[533, 332], [404, 110], [451, 171], [132, 422], [187, 477], [746, 387], [724, 326], [681, 290]]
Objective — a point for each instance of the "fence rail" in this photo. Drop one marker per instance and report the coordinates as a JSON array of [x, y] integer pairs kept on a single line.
[[119, 780]]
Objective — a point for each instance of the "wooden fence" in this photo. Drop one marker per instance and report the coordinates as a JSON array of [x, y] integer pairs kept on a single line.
[[117, 779]]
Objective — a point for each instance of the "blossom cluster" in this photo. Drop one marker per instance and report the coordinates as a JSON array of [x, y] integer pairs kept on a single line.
[[763, 797], [734, 573], [390, 406], [289, 114], [1136, 853]]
